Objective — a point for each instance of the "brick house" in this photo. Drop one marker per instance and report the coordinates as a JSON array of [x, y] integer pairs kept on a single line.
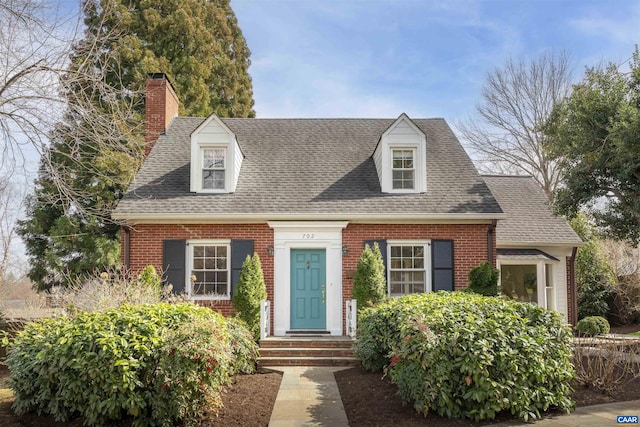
[[308, 194]]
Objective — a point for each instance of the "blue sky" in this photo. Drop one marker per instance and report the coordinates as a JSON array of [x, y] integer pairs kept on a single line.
[[380, 58]]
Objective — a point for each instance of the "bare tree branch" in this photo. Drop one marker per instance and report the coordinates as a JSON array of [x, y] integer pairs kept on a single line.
[[505, 135]]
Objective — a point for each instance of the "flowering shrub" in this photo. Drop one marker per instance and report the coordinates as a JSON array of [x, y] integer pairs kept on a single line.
[[467, 356], [106, 365]]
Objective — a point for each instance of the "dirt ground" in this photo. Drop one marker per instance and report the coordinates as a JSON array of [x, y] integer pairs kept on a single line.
[[248, 402]]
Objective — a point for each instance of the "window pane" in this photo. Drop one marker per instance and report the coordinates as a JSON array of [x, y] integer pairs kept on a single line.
[[210, 251], [213, 180], [213, 159], [407, 271], [520, 282], [198, 251], [211, 270]]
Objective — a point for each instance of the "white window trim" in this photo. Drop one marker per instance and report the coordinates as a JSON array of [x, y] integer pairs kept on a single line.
[[428, 270], [188, 287], [419, 169], [541, 278], [198, 170], [414, 153]]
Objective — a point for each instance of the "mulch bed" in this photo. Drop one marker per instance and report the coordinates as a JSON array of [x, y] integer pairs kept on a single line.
[[248, 402]]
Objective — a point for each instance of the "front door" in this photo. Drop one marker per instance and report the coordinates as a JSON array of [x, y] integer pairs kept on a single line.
[[308, 289]]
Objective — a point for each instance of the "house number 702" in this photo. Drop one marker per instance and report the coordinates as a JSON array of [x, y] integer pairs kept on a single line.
[[308, 236]]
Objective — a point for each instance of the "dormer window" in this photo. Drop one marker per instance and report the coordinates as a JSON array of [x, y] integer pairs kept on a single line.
[[401, 158], [213, 168], [403, 169], [216, 158]]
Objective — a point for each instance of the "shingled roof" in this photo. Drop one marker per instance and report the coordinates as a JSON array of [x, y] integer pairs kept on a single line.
[[529, 217], [313, 167]]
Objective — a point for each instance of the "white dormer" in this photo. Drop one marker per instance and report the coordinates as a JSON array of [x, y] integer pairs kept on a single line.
[[401, 158], [216, 158]]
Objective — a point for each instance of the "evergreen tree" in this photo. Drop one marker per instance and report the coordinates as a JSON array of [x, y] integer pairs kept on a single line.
[[369, 283], [596, 134], [97, 148], [250, 291], [594, 277]]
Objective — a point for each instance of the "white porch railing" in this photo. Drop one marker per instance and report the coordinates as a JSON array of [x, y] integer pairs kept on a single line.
[[352, 317], [265, 319]]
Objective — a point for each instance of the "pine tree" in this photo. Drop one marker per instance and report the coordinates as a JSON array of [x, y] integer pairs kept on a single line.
[[369, 283], [250, 291], [97, 148]]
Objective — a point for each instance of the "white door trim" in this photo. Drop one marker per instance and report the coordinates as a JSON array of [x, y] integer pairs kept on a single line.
[[289, 235]]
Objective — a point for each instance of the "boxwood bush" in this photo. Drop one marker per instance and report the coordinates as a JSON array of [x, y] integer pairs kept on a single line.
[[592, 326], [468, 356], [106, 365]]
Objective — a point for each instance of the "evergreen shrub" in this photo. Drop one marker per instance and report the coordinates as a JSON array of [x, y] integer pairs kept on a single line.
[[250, 291], [483, 280], [462, 355], [369, 282], [592, 326], [126, 361]]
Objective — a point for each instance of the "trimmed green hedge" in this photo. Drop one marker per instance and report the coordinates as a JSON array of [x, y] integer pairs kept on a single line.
[[592, 326], [463, 355], [160, 363]]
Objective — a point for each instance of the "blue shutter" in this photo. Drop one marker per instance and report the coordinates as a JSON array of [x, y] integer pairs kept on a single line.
[[174, 257], [442, 265], [239, 251]]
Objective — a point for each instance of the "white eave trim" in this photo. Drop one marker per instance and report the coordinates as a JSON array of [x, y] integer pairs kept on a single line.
[[362, 218], [515, 244]]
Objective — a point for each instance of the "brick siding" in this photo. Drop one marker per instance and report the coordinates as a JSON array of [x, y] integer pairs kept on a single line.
[[470, 247]]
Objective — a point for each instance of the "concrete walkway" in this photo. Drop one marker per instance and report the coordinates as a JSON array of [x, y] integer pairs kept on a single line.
[[308, 396], [587, 416]]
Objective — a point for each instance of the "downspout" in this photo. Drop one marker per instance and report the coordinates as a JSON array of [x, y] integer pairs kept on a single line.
[[490, 233], [572, 287], [126, 251]]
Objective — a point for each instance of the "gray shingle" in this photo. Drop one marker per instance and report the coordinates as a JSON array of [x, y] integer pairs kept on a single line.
[[307, 166], [529, 218]]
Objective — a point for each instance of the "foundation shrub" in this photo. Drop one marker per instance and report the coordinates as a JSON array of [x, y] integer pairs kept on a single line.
[[251, 290], [105, 366], [483, 280], [243, 346], [592, 326], [194, 363], [463, 355]]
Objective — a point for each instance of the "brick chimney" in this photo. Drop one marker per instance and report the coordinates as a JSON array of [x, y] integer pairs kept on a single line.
[[161, 106]]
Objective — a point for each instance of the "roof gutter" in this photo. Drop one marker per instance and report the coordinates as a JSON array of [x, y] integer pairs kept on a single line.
[[363, 218]]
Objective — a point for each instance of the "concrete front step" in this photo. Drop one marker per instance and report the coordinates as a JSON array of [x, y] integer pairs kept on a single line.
[[307, 361], [307, 351]]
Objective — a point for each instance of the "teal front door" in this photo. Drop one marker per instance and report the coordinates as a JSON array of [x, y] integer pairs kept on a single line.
[[308, 289]]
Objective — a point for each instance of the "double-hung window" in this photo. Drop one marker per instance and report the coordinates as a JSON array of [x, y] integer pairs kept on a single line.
[[403, 169], [213, 168], [407, 268], [209, 266]]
